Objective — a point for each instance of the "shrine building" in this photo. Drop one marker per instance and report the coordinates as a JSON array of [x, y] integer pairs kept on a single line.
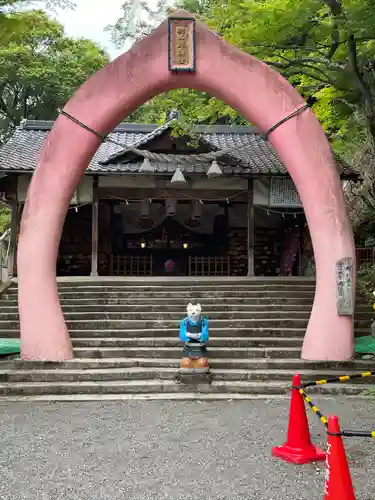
[[227, 207]]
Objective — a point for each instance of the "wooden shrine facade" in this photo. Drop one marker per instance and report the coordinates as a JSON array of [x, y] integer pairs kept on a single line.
[[123, 220]]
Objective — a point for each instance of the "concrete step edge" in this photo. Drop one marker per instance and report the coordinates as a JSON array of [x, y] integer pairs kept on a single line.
[[212, 288], [132, 383], [171, 383], [174, 313], [213, 329], [173, 396], [239, 329], [177, 341], [138, 361], [282, 292], [184, 396], [174, 370], [178, 349]]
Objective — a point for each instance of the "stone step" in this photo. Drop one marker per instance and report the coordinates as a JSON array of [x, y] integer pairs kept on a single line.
[[280, 374], [207, 287], [137, 387], [161, 323], [230, 342], [166, 315], [184, 281], [175, 352], [141, 373], [293, 364], [140, 324], [180, 309], [208, 301], [173, 333], [166, 386], [182, 294], [61, 375]]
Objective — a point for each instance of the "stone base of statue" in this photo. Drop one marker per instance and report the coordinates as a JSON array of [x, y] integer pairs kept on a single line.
[[194, 364]]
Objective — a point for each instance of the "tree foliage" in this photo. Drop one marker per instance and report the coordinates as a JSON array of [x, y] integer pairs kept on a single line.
[[4, 218], [40, 68], [9, 25], [325, 48]]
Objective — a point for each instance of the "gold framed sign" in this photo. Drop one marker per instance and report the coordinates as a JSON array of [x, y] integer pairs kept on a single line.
[[181, 44]]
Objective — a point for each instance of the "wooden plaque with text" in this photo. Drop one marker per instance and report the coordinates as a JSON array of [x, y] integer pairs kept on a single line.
[[182, 45]]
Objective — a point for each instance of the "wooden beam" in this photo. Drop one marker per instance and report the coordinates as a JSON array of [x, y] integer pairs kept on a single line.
[[94, 229], [250, 228], [13, 238]]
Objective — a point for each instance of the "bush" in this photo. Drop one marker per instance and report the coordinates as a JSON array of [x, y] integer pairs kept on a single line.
[[4, 218], [366, 282]]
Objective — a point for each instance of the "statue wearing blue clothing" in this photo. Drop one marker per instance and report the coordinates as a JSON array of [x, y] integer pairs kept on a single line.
[[194, 333]]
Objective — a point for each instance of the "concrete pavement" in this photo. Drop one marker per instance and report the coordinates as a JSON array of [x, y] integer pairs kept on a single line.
[[184, 450]]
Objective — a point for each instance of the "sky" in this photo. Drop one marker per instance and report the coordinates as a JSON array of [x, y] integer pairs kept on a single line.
[[89, 19]]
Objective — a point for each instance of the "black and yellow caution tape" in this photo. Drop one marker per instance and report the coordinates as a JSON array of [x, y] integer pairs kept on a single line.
[[323, 418], [313, 406], [348, 433], [343, 378]]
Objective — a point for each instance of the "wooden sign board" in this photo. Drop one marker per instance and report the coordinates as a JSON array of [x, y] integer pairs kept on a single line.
[[344, 287], [283, 193], [181, 44]]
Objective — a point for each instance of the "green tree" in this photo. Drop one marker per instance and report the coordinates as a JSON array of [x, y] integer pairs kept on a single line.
[[325, 48], [40, 68], [9, 25], [4, 218]]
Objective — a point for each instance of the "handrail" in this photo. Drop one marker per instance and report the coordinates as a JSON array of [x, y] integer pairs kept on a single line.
[[4, 251], [4, 235]]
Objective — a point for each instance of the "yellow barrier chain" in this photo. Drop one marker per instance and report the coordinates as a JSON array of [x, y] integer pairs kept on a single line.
[[319, 414], [314, 408], [342, 378]]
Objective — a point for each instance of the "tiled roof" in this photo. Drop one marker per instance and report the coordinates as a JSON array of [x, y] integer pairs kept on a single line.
[[258, 157]]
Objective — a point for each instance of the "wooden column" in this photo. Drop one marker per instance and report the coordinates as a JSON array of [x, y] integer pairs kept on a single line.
[[94, 229], [250, 228], [13, 238]]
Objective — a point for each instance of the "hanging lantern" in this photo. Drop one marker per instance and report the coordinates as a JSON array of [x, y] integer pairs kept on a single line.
[[214, 170], [145, 209], [146, 167], [171, 206], [178, 177], [197, 210]]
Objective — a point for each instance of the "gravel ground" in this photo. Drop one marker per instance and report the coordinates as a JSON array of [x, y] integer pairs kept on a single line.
[[168, 450]]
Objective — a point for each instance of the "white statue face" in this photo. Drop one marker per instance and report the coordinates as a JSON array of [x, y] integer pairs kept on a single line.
[[194, 311]]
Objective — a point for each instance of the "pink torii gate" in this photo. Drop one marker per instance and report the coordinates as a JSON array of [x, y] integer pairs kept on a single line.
[[263, 96]]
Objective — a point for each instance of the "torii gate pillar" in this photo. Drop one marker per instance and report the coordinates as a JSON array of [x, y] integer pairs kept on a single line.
[[156, 64]]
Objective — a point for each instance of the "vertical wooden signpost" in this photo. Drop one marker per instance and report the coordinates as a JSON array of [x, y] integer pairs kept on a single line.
[[344, 287], [13, 239], [250, 228], [94, 229]]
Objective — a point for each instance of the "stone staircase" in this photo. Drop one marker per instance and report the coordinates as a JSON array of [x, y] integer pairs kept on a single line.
[[125, 337]]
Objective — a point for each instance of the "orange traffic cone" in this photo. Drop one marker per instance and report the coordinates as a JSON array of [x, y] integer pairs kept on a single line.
[[298, 448], [338, 484]]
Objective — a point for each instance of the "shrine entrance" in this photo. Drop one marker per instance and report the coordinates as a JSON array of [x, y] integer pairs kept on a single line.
[[170, 249], [183, 53], [184, 239]]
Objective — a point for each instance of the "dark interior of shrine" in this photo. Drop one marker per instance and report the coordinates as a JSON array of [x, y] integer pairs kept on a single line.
[[174, 246]]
